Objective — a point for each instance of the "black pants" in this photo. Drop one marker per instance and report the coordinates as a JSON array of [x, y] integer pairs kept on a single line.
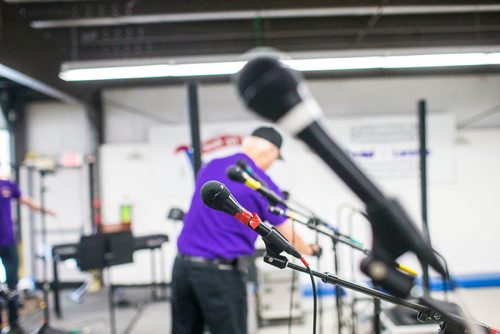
[[10, 262], [205, 295]]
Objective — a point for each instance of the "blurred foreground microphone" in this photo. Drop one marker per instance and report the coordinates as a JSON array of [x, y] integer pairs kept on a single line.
[[275, 92], [215, 195], [235, 173]]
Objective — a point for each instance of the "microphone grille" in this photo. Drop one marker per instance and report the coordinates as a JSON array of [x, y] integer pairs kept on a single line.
[[214, 194], [235, 173], [242, 164], [268, 87]]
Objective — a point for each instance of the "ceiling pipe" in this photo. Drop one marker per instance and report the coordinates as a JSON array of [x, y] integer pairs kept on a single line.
[[36, 85], [265, 14]]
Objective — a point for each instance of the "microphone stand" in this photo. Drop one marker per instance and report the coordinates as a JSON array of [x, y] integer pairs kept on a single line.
[[45, 327], [313, 224], [281, 262], [320, 306], [291, 106], [447, 322], [336, 238]]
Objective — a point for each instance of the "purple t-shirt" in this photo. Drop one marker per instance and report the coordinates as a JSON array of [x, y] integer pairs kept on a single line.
[[214, 234], [8, 191]]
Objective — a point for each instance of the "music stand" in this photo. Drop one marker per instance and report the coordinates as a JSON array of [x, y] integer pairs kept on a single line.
[[101, 251]]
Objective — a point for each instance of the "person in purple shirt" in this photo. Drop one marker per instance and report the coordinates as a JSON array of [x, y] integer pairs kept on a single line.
[[208, 287], [8, 249]]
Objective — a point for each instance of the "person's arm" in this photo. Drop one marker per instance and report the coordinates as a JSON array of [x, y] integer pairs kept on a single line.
[[34, 206], [286, 229]]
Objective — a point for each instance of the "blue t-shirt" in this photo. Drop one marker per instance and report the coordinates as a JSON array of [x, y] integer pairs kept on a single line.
[[214, 234], [8, 191]]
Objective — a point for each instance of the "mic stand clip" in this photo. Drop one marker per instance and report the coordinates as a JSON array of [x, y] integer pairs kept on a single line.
[[279, 261]]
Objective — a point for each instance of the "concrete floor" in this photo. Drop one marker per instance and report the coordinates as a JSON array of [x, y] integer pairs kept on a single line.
[[92, 316]]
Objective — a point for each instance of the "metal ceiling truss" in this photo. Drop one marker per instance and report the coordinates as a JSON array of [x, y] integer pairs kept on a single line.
[[79, 30]]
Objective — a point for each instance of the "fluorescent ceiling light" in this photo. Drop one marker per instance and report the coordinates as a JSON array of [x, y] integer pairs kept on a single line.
[[220, 68], [393, 62], [116, 72], [303, 65]]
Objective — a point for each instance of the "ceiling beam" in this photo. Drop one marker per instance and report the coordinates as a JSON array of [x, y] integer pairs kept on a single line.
[[47, 10], [31, 60], [261, 13], [286, 34]]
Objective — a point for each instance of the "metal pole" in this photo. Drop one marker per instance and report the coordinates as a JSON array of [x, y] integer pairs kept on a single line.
[[194, 122], [95, 114], [111, 304], [422, 134], [377, 309], [320, 301], [92, 198], [43, 226], [30, 170], [338, 302]]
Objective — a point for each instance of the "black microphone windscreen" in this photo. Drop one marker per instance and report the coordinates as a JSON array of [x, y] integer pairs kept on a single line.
[[214, 194], [235, 173], [242, 164], [268, 87]]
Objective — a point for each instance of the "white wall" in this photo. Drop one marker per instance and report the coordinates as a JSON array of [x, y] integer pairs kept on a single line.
[[55, 128], [461, 95]]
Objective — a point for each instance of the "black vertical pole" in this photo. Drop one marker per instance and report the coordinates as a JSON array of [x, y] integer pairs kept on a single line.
[[338, 302], [377, 310], [194, 122], [43, 230], [92, 197], [422, 133], [96, 117], [30, 170]]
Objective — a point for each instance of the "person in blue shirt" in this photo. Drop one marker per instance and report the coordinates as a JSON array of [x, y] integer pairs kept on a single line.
[[9, 191], [208, 290]]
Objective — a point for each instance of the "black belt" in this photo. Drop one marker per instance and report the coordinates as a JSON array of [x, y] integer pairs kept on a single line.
[[216, 261]]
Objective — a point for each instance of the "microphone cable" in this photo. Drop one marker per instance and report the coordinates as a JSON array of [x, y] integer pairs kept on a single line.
[[313, 215], [315, 297], [446, 278], [313, 284]]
